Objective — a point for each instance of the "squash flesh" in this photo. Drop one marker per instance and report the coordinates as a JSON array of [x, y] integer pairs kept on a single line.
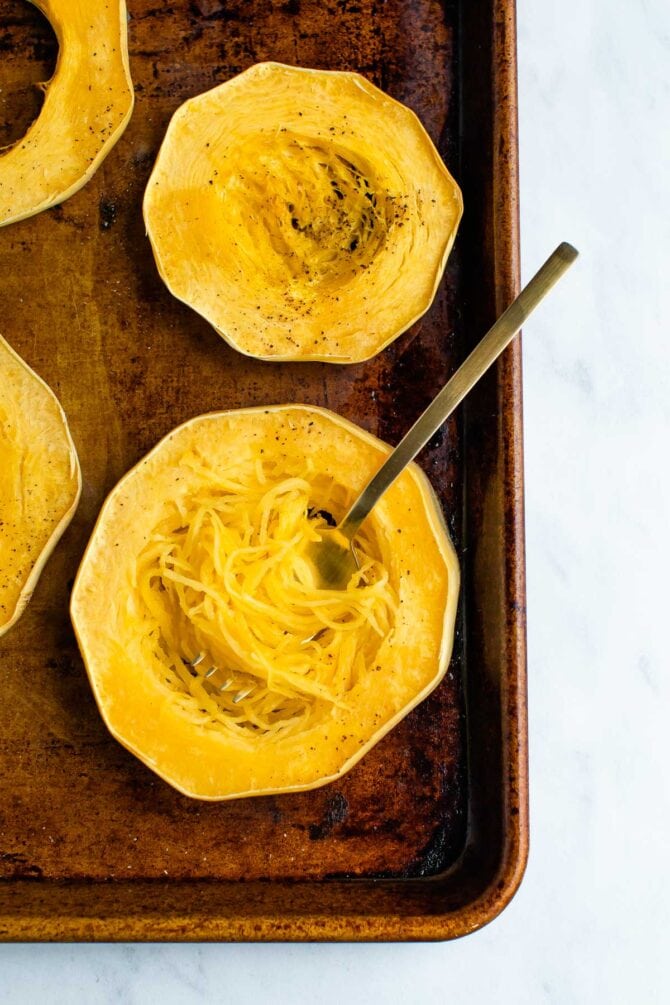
[[221, 575], [301, 727], [87, 105], [304, 213], [40, 481]]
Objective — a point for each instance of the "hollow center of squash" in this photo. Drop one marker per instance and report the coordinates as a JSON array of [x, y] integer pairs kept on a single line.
[[29, 50], [232, 621], [301, 213]]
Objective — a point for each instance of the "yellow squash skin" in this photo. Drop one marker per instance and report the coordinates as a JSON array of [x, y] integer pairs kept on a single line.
[[87, 105], [304, 213], [40, 481], [135, 701]]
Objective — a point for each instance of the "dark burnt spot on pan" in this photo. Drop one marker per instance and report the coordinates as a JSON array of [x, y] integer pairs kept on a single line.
[[18, 866], [435, 856], [216, 10], [65, 665], [107, 214], [336, 810], [389, 827], [62, 214], [422, 765]]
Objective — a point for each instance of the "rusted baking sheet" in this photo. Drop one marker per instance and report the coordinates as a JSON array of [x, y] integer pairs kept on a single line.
[[426, 838]]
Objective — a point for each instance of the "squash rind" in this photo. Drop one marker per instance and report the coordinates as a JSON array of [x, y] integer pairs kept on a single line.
[[136, 710], [44, 399], [198, 246], [87, 106]]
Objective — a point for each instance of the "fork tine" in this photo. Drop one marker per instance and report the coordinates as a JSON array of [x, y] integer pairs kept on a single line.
[[213, 670]]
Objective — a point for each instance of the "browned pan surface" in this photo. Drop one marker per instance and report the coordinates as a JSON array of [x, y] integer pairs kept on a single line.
[[83, 303]]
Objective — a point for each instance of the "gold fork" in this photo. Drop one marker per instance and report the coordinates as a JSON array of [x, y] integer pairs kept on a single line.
[[333, 557]]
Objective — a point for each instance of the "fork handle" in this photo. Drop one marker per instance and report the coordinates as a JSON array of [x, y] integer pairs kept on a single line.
[[477, 363]]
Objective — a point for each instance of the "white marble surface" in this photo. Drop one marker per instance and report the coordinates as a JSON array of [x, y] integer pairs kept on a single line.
[[591, 920]]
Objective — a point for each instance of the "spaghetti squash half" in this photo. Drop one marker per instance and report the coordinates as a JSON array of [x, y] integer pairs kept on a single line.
[[87, 105], [213, 655], [304, 213], [40, 481]]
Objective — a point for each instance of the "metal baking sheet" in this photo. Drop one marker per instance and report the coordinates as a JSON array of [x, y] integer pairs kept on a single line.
[[426, 837]]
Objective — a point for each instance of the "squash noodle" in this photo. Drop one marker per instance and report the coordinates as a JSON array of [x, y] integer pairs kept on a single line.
[[222, 577]]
